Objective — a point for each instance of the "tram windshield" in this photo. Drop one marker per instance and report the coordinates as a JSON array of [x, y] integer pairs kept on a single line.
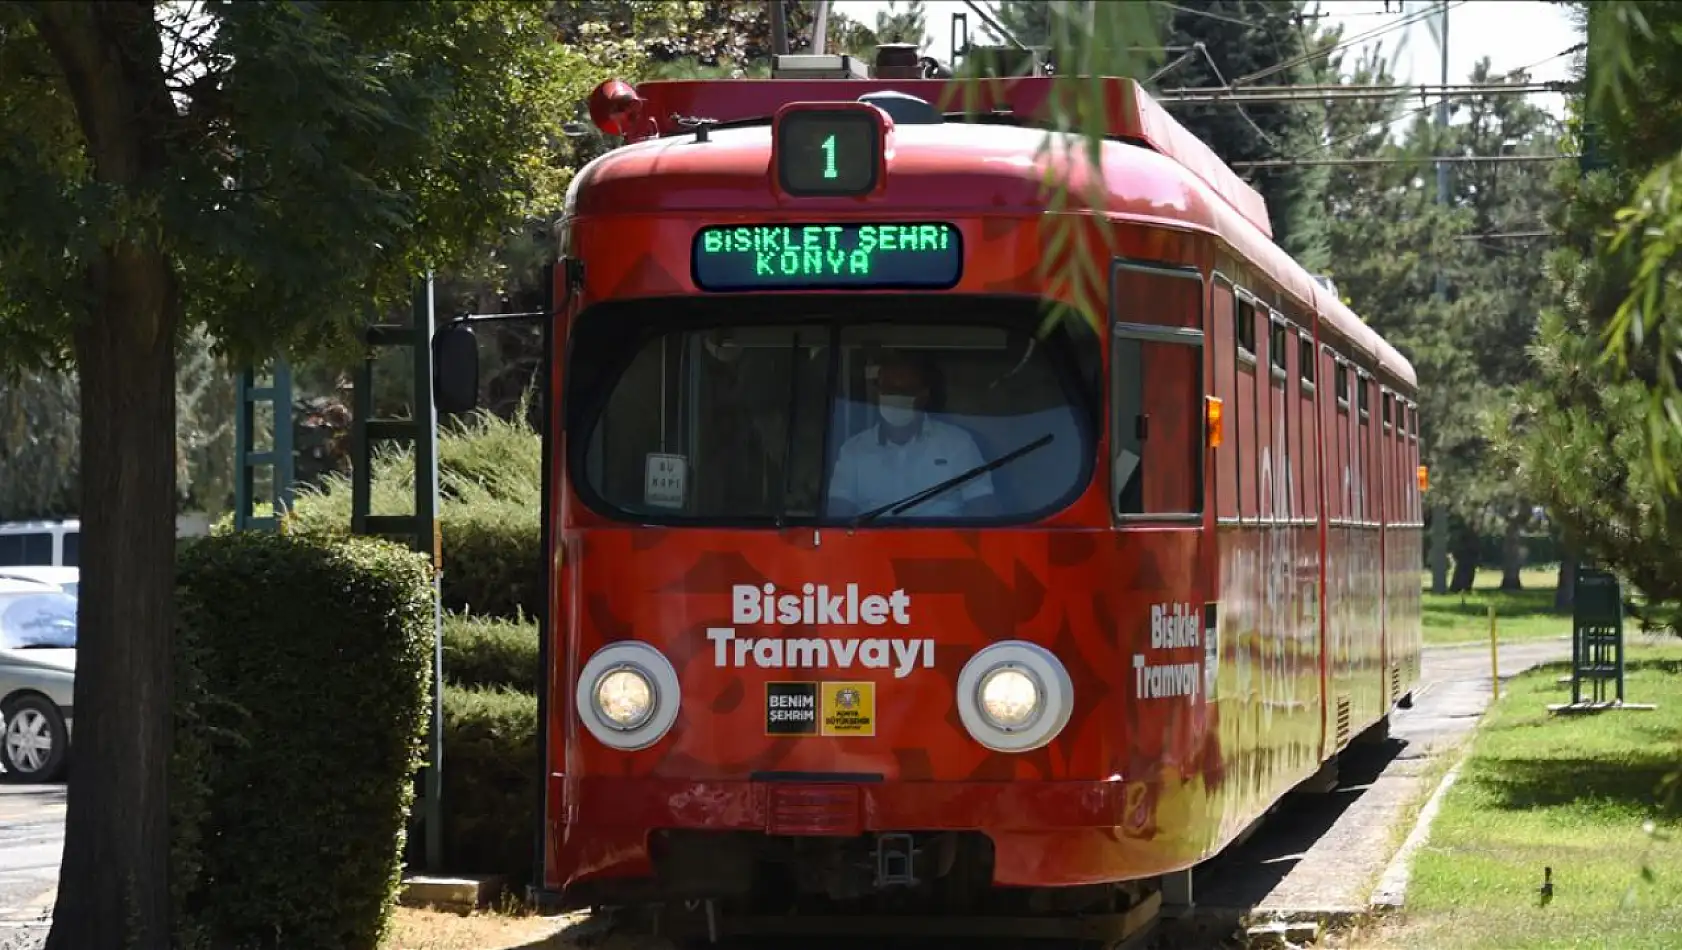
[[839, 413]]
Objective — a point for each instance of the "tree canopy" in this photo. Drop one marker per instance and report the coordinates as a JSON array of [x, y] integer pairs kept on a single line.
[[1600, 438], [275, 174]]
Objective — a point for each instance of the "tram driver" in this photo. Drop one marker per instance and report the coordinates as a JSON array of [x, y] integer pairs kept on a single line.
[[907, 451]]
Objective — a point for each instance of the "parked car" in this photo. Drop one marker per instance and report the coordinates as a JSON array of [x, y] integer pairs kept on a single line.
[[64, 578], [37, 679]]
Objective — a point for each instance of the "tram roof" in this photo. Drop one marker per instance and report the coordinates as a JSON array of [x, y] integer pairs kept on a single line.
[[1154, 169]]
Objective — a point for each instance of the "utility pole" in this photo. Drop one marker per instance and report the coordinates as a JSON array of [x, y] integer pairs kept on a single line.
[[779, 29], [1439, 520]]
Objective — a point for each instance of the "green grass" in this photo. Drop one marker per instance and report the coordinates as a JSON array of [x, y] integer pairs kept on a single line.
[[1526, 614], [1572, 793]]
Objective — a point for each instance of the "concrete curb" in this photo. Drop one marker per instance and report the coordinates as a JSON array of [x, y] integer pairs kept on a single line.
[[450, 893], [1468, 644], [1391, 892]]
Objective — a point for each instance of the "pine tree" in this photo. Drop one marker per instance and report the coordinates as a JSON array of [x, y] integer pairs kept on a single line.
[[1237, 37]]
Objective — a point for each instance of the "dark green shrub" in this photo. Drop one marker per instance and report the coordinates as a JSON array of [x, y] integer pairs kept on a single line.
[[491, 783], [489, 652], [301, 713], [493, 561]]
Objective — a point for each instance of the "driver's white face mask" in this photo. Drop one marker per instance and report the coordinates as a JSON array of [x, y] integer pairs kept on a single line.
[[897, 410]]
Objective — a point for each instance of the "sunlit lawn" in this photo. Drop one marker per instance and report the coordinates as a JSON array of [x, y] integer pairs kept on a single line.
[[1571, 793], [1526, 614]]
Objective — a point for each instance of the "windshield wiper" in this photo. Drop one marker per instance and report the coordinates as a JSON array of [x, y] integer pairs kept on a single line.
[[913, 500]]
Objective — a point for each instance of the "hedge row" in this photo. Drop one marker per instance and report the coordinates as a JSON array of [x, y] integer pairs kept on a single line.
[[489, 481], [491, 653], [491, 782], [299, 722]]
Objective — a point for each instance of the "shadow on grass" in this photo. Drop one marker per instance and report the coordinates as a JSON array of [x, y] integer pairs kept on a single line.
[[1631, 775], [1521, 784], [1509, 605]]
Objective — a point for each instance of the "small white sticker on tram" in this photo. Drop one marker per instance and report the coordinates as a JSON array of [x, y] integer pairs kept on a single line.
[[903, 655]]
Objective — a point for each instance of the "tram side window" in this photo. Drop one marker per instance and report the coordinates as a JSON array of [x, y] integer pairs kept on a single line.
[[1157, 418], [1156, 391], [1247, 329], [26, 550]]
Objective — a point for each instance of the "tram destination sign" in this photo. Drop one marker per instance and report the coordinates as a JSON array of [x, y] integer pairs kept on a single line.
[[903, 255]]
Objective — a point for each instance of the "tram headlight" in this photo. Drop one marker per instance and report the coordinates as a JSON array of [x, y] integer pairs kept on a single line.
[[628, 695], [1014, 696], [625, 697], [1010, 697]]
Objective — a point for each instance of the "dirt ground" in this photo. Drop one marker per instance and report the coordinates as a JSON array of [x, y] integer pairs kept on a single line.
[[426, 929]]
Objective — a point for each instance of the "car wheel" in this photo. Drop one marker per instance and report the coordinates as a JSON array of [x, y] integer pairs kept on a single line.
[[33, 746]]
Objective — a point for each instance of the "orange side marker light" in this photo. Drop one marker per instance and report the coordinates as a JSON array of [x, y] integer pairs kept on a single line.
[[1424, 480], [1215, 410]]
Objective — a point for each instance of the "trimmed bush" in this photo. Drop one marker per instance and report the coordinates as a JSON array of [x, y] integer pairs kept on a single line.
[[488, 652], [491, 784], [301, 710], [493, 558]]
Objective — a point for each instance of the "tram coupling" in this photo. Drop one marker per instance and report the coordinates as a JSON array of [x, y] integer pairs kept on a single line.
[[896, 860]]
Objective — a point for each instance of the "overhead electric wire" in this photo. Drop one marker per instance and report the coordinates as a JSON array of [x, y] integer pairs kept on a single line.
[[1222, 80], [1507, 235], [1331, 92], [993, 25], [1403, 160], [1407, 20], [1203, 13], [1413, 113]]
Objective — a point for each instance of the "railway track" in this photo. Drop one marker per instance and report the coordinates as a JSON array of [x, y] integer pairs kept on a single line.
[[1146, 926]]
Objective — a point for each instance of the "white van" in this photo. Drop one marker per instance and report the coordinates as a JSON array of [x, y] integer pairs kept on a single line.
[[40, 543], [59, 543]]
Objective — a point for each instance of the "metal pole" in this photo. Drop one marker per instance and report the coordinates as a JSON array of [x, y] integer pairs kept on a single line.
[[779, 29], [546, 620], [1494, 656], [1439, 521], [820, 25], [426, 517]]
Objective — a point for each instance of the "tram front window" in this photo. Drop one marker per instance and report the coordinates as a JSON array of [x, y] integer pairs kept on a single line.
[[834, 421]]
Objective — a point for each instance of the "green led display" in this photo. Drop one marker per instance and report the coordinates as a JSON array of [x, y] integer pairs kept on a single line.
[[829, 158], [763, 256]]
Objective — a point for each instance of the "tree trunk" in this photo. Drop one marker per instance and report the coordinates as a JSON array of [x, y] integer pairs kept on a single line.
[[1512, 554], [114, 879], [1465, 544], [1565, 591]]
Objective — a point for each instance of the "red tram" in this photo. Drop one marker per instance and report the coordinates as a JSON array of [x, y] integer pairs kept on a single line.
[[870, 584]]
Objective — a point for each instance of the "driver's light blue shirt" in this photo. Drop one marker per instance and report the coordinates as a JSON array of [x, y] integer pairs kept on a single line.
[[872, 471]]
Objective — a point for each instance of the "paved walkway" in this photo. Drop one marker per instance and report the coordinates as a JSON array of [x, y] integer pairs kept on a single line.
[[1321, 856], [31, 843]]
